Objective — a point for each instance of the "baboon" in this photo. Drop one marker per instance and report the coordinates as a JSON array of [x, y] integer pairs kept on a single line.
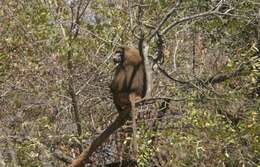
[[129, 84], [129, 78]]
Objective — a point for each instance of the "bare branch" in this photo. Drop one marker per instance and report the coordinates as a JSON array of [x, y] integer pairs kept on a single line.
[[132, 98], [169, 27], [184, 19], [153, 99], [148, 70], [166, 17], [164, 72], [219, 78]]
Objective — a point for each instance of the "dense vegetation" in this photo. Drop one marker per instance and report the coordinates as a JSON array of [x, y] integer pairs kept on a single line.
[[55, 71]]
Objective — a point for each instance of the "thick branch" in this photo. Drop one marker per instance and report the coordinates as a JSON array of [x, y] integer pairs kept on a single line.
[[132, 98], [148, 70], [144, 49], [86, 154]]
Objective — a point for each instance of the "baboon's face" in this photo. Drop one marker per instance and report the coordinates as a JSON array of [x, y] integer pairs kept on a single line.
[[118, 57]]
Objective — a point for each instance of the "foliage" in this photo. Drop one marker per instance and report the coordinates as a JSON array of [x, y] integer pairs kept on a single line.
[[217, 123]]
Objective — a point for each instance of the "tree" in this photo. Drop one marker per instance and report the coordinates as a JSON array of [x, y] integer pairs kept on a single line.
[[55, 70]]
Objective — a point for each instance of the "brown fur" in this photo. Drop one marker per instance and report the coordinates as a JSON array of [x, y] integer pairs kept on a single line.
[[129, 78]]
